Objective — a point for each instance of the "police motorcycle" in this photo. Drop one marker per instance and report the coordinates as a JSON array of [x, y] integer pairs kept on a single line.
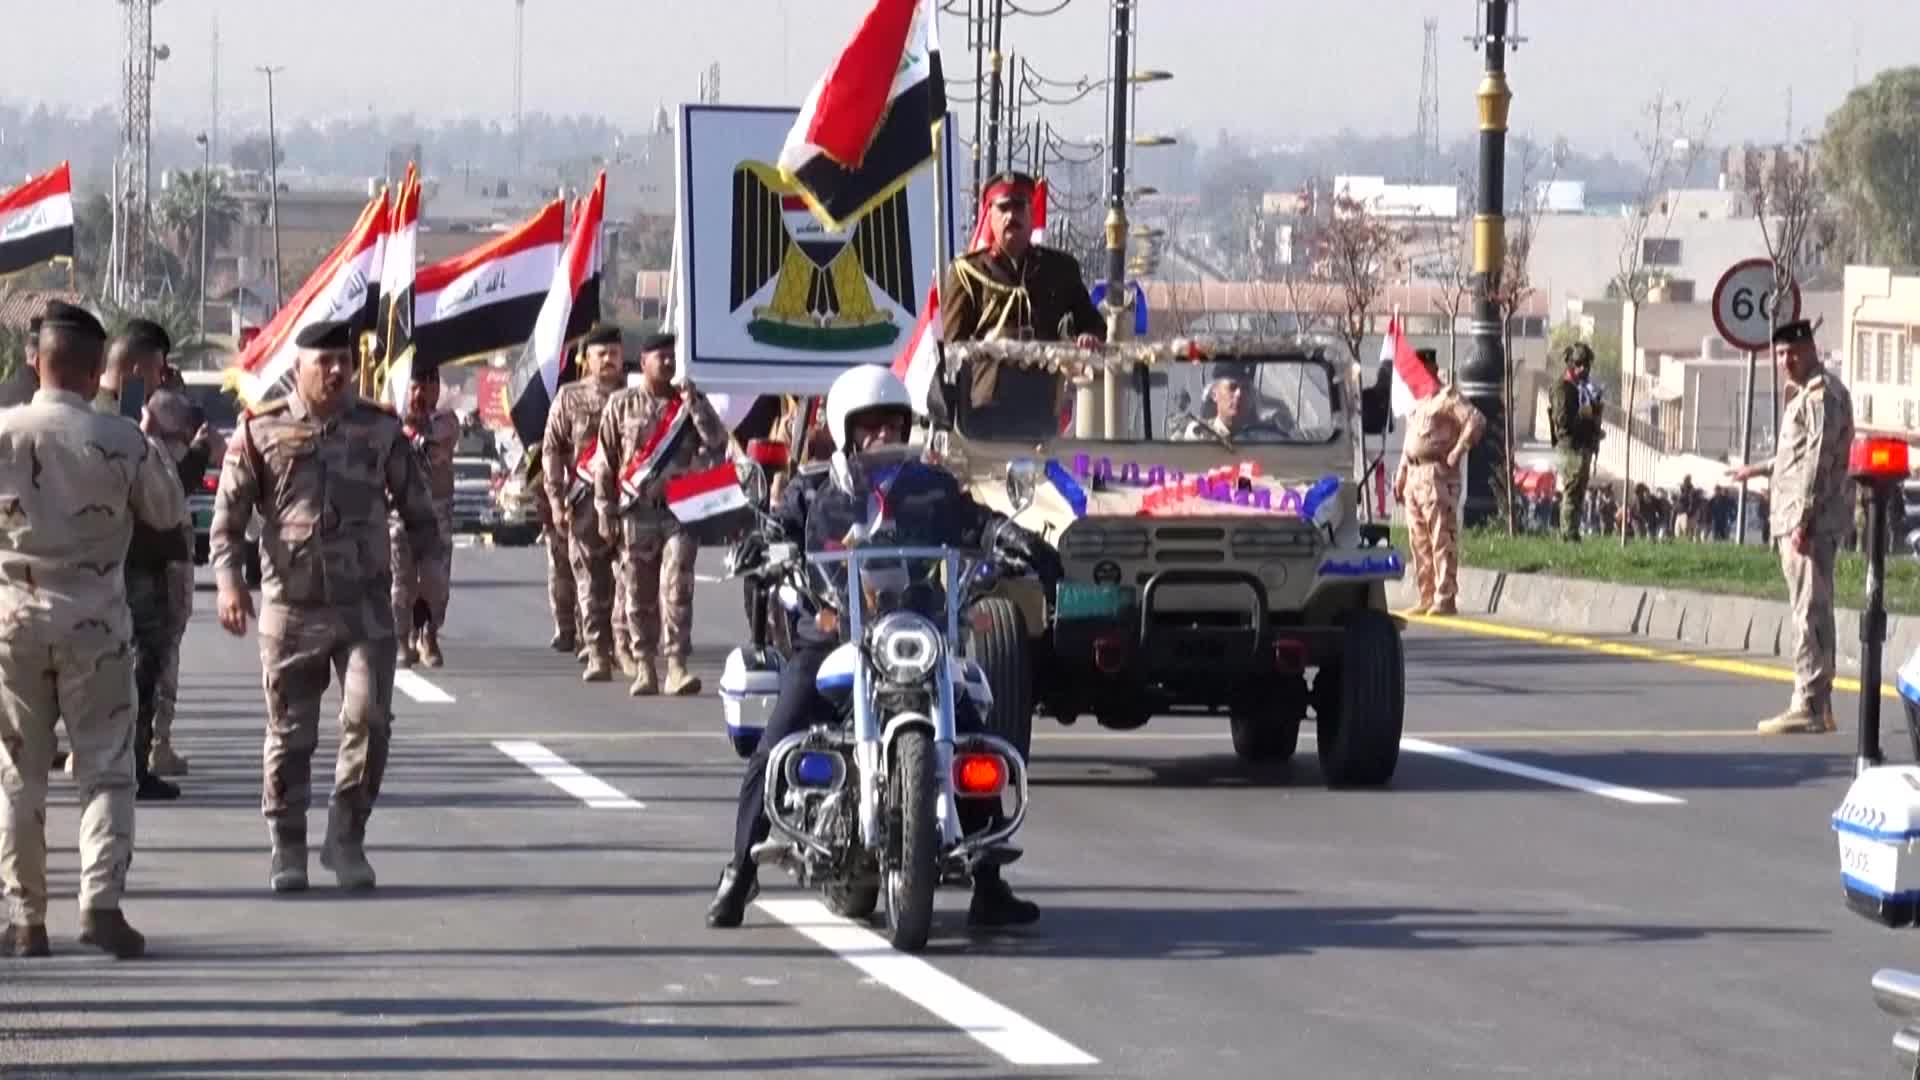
[[867, 806]]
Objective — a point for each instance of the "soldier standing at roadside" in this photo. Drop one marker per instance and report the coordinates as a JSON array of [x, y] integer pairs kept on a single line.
[[1441, 430], [73, 484], [433, 433], [658, 433], [1811, 511], [1574, 413], [323, 467], [572, 439]]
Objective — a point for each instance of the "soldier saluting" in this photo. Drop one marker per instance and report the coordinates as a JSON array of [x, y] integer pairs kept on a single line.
[[1014, 289], [322, 467], [1811, 510]]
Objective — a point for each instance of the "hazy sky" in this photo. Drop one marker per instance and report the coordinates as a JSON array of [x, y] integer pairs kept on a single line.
[[1257, 66]]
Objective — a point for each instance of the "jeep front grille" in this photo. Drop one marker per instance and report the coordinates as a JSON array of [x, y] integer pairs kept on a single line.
[[1090, 541], [1269, 541]]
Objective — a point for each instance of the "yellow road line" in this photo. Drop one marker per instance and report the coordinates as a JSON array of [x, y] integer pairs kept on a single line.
[[1719, 665]]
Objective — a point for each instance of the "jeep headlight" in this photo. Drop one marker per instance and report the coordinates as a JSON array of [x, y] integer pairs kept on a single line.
[[905, 646]]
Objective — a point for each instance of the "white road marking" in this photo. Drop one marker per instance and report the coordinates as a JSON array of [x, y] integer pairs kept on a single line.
[[555, 770], [419, 689], [710, 579], [1019, 1040], [1545, 776]]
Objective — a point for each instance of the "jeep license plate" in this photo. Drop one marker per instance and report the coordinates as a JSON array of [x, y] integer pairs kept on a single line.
[[202, 519]]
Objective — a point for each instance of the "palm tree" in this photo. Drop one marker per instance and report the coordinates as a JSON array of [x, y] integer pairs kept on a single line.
[[177, 222]]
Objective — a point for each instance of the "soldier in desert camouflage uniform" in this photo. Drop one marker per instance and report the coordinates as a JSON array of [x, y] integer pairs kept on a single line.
[[561, 600], [663, 432], [1442, 428], [433, 433], [73, 484], [1811, 511], [323, 467], [573, 431]]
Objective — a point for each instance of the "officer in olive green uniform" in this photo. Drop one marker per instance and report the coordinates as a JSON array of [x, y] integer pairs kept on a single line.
[[323, 467], [1574, 412], [1016, 290], [1811, 511], [73, 484]]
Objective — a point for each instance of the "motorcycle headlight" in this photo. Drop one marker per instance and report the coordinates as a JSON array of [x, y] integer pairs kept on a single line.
[[905, 646]]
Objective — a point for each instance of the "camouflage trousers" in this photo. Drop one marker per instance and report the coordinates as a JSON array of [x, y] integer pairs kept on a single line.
[[622, 629], [1576, 470], [656, 565], [297, 664], [592, 560], [1810, 597], [420, 580], [167, 692], [85, 679], [560, 593], [1433, 504]]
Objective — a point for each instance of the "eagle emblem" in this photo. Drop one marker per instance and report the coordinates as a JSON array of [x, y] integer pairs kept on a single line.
[[807, 287]]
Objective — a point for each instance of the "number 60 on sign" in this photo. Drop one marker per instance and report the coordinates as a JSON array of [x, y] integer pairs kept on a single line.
[[1744, 302]]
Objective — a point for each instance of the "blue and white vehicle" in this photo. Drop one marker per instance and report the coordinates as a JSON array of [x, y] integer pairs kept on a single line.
[[869, 803]]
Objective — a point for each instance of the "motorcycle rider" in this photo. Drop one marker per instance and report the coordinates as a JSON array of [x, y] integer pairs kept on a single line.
[[869, 414]]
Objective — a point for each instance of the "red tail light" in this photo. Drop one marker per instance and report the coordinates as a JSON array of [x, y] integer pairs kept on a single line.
[[1289, 657], [979, 775], [210, 482]]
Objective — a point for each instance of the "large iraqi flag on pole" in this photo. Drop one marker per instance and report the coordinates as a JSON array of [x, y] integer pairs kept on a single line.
[[488, 298], [36, 221], [396, 291], [345, 287], [867, 124], [536, 374]]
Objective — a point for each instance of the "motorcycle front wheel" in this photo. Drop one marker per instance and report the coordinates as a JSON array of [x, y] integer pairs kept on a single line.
[[910, 885]]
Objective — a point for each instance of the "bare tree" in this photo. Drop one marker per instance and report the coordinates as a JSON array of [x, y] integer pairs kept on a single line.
[[1786, 193], [1363, 254], [1453, 274], [1668, 155], [1511, 293]]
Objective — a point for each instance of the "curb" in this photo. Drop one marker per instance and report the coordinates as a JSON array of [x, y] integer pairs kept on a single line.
[[1761, 628]]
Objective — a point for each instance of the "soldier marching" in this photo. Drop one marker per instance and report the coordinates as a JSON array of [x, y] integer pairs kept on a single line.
[[566, 453], [421, 584]]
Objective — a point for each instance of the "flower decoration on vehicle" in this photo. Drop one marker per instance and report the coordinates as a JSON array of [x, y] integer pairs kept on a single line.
[[1067, 358]]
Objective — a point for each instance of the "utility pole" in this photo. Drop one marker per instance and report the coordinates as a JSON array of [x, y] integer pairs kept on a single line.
[[519, 63], [976, 40], [213, 73], [1119, 92], [273, 185], [206, 179], [1483, 376], [993, 86], [1428, 128], [135, 206]]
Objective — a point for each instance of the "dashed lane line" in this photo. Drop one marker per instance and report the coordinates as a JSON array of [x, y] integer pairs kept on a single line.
[[556, 770], [1012, 1036], [419, 689], [1717, 664], [1545, 776]]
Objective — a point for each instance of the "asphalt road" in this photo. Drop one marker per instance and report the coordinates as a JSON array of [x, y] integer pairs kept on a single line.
[[1201, 918]]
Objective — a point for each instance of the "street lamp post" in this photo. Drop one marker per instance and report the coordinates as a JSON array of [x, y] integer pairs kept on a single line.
[[1483, 376], [206, 178], [273, 183]]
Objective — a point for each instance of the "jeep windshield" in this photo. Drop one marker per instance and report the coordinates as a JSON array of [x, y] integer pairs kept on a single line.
[[1286, 400]]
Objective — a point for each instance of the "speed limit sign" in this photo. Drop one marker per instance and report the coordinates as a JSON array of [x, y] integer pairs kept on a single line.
[[1744, 301]]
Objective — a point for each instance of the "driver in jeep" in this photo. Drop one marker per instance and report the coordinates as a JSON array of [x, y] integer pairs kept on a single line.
[[869, 415], [1235, 398]]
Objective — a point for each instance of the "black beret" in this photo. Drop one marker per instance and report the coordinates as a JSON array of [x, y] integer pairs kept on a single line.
[[325, 335], [657, 343], [148, 334], [64, 316], [1793, 333], [1233, 372], [1579, 355], [602, 334], [33, 325], [426, 372]]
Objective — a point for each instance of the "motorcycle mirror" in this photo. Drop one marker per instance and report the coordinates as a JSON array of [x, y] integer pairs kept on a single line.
[[1023, 480]]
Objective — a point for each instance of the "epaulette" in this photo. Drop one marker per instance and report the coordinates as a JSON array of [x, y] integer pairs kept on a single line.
[[271, 408]]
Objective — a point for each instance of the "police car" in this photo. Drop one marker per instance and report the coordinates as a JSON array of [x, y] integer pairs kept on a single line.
[[221, 410]]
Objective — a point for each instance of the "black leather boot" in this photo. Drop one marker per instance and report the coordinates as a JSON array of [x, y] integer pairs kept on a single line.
[[994, 903], [737, 889]]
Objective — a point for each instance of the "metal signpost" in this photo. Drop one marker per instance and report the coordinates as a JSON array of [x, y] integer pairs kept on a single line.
[[1743, 313]]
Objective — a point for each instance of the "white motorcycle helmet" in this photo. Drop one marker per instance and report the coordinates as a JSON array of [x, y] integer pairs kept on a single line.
[[864, 389]]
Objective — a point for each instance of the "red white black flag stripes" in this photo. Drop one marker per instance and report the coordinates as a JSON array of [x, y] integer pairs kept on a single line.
[[396, 291], [660, 446], [709, 503], [867, 124], [488, 298], [1411, 380], [345, 287], [36, 221], [536, 374]]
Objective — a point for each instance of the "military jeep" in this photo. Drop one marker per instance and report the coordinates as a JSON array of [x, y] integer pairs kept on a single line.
[[1202, 498]]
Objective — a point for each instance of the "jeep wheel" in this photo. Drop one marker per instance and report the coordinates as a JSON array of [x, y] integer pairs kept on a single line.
[[996, 639], [1262, 732], [1359, 713]]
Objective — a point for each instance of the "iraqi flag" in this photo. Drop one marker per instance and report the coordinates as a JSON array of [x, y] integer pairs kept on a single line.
[[868, 123], [489, 298], [662, 442], [345, 287], [1411, 380], [710, 503], [36, 221], [536, 374], [397, 292]]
